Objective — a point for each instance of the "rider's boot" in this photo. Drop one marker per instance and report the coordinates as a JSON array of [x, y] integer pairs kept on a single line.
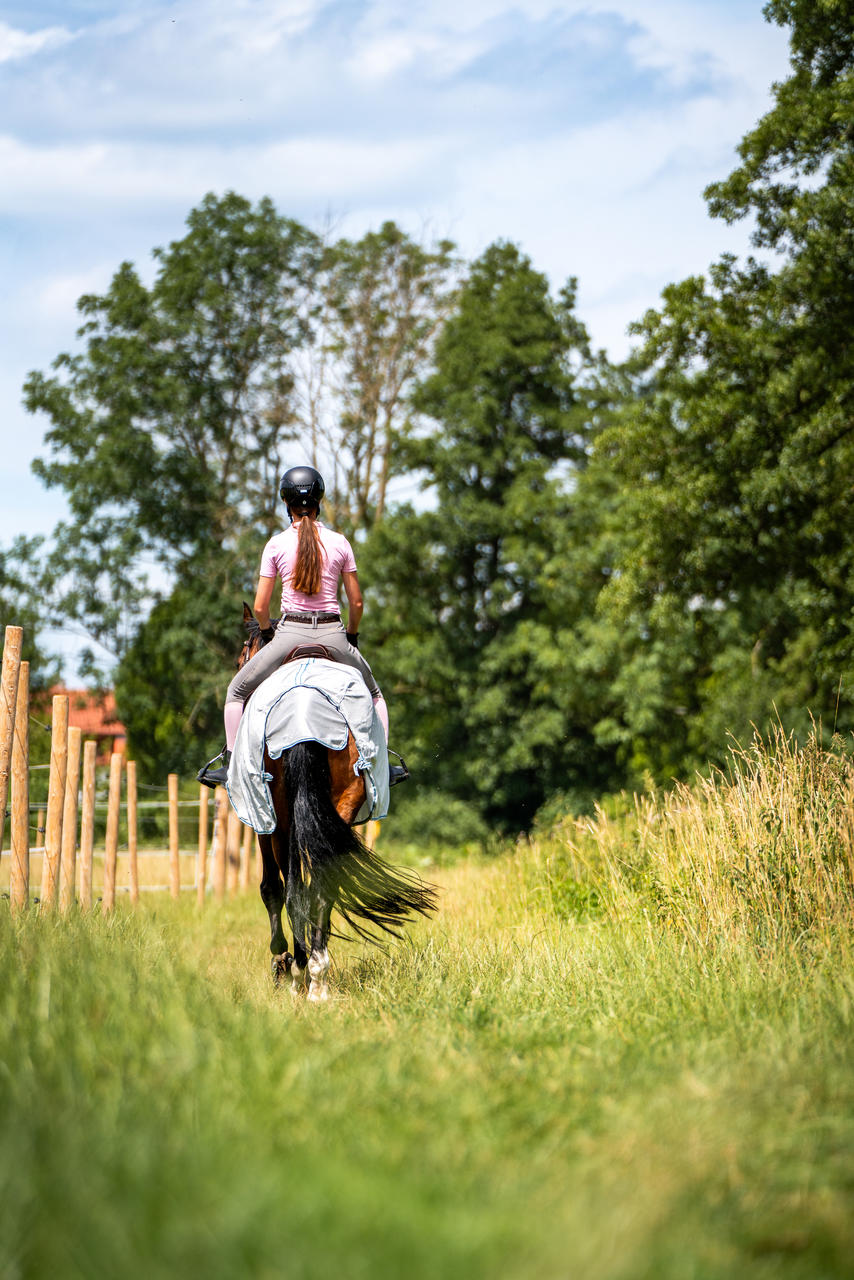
[[397, 772], [215, 777]]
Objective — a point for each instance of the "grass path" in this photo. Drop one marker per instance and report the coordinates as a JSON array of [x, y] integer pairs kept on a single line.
[[504, 1094]]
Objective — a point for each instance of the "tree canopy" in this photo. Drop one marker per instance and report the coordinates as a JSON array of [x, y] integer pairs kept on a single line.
[[733, 460], [377, 305], [256, 344], [474, 591]]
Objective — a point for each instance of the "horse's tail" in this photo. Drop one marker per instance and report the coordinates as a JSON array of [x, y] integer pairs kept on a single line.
[[365, 890]]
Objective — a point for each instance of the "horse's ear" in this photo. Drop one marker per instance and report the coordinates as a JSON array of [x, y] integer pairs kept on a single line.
[[248, 615]]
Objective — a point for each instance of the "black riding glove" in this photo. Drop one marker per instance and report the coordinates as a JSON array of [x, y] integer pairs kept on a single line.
[[353, 638], [267, 634]]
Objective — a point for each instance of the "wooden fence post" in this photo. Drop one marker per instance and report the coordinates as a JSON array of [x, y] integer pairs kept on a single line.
[[202, 860], [45, 880], [111, 846], [133, 864], [55, 800], [69, 821], [87, 825], [246, 859], [19, 873], [8, 698], [219, 849], [174, 847]]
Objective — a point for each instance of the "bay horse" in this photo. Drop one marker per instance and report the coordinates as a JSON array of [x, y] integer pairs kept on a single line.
[[315, 863]]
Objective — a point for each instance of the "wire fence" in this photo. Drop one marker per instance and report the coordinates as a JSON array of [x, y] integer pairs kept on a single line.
[[78, 832], [80, 838]]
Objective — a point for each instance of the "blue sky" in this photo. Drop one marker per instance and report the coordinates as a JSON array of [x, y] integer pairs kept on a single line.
[[584, 131]]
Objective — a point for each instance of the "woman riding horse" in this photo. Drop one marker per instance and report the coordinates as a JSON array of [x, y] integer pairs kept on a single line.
[[314, 862], [311, 560]]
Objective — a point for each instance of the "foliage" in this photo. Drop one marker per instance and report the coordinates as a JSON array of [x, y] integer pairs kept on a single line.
[[428, 824], [472, 607], [166, 431], [22, 604], [733, 520], [170, 429], [796, 162], [377, 305], [174, 677], [611, 572]]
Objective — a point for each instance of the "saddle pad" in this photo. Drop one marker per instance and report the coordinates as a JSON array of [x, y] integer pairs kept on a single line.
[[313, 700]]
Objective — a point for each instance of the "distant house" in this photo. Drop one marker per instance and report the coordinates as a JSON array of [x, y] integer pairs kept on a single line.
[[94, 711]]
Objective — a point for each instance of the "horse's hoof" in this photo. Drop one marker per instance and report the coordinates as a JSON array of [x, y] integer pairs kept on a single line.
[[318, 967], [280, 967]]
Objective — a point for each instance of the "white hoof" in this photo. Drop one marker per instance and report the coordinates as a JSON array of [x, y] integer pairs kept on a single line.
[[318, 967]]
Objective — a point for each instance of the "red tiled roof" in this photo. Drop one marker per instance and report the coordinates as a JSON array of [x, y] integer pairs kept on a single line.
[[94, 713]]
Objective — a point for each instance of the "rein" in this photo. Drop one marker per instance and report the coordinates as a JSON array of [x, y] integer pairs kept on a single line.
[[253, 642]]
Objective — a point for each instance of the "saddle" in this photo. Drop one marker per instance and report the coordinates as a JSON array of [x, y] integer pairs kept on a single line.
[[309, 651]]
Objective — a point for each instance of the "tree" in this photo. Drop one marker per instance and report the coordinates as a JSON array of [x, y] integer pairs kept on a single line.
[[167, 430], [174, 675], [171, 427], [735, 581], [22, 605], [167, 435], [375, 307], [473, 638]]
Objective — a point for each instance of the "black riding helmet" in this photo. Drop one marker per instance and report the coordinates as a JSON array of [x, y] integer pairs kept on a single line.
[[302, 487]]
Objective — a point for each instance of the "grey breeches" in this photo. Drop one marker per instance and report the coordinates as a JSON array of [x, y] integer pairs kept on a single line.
[[288, 636]]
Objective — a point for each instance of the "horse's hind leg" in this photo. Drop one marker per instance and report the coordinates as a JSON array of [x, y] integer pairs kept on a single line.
[[273, 897], [318, 960], [299, 967], [296, 900]]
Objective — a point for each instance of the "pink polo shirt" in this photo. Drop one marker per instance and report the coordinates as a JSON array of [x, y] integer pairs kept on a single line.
[[280, 555]]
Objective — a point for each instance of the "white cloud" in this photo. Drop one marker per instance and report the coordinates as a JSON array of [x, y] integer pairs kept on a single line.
[[673, 35], [301, 66], [619, 204], [384, 55], [33, 176], [105, 175], [242, 27], [55, 298], [16, 44]]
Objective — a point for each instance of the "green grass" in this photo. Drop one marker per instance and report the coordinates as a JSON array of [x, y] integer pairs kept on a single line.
[[572, 1071]]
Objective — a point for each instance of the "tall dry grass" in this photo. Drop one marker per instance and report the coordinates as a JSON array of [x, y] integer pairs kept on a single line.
[[762, 853]]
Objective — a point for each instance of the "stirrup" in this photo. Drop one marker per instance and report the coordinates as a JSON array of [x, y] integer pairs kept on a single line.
[[397, 772], [215, 777]]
